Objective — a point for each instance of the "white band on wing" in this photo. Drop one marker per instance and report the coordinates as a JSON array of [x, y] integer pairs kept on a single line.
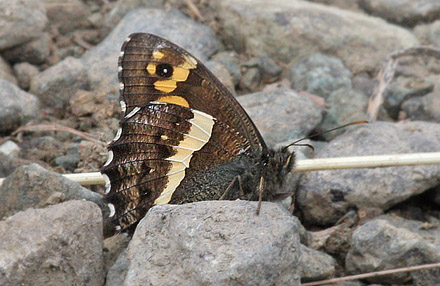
[[198, 135]]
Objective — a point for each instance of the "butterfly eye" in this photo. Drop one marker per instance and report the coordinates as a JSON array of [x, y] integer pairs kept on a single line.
[[164, 70]]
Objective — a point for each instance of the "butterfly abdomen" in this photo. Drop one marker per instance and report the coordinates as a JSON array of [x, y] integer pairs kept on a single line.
[[211, 184]]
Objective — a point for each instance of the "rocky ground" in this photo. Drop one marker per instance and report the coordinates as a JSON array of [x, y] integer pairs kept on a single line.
[[296, 67]]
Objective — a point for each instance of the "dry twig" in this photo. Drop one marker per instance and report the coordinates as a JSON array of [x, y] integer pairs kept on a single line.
[[386, 74], [373, 274], [376, 161], [78, 39], [56, 127], [195, 10], [315, 165]]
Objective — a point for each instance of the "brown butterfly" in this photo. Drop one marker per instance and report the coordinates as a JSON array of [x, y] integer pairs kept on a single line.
[[183, 137]]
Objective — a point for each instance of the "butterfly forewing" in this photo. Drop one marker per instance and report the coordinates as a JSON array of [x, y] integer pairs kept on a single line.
[[177, 120]]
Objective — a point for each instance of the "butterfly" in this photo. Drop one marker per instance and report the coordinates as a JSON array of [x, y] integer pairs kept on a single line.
[[182, 137]]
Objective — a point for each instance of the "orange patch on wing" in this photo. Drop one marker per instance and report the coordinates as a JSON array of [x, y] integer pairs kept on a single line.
[[177, 100], [151, 68], [166, 85], [180, 74], [158, 55]]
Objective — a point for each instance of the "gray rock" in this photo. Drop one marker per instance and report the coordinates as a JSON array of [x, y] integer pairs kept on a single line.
[[258, 71], [114, 246], [69, 161], [427, 231], [172, 25], [222, 73], [24, 73], [281, 114], [414, 109], [16, 107], [21, 21], [403, 12], [303, 235], [58, 83], [319, 74], [318, 239], [426, 108], [44, 148], [363, 83], [32, 186], [429, 34], [9, 148], [58, 245], [83, 103], [250, 80], [316, 265], [69, 17], [215, 243], [118, 271], [96, 19], [343, 4], [69, 51], [230, 60], [344, 106], [34, 52], [379, 245], [270, 70], [426, 277], [93, 156], [289, 30], [337, 243], [402, 89], [121, 8], [325, 196], [9, 163], [6, 71]]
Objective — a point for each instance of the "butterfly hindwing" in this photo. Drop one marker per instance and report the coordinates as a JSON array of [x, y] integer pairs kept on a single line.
[[177, 120]]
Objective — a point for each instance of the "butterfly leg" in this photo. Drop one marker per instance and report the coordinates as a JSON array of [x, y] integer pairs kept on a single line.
[[260, 194], [238, 177]]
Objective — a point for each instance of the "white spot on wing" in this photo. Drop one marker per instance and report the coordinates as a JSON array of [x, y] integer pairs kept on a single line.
[[119, 68], [157, 102], [121, 86], [133, 112], [190, 62], [111, 207], [123, 106], [109, 159], [118, 134], [121, 54], [107, 183]]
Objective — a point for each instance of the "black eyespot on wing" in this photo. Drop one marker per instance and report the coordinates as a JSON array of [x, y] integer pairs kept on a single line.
[[164, 70]]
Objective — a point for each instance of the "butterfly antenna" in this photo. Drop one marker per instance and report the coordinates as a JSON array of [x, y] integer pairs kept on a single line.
[[303, 145], [322, 133]]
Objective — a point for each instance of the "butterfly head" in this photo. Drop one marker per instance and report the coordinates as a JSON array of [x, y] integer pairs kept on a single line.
[[278, 163]]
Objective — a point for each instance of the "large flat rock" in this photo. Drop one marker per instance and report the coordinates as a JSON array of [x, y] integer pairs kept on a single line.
[[289, 30]]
